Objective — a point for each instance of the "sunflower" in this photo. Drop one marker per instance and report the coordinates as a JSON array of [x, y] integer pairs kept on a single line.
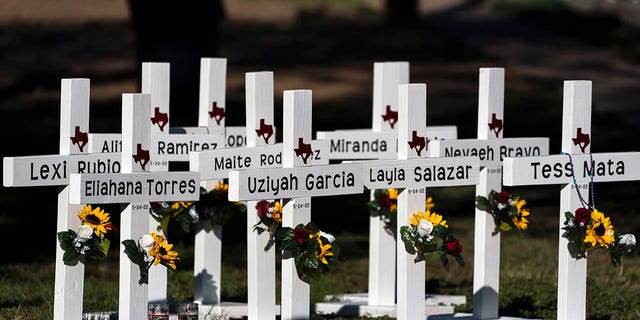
[[277, 212], [97, 219], [393, 198], [429, 203], [221, 190], [323, 251], [600, 231], [162, 252], [434, 218], [520, 221], [180, 204]]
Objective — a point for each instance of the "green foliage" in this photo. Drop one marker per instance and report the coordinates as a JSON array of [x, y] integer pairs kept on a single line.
[[503, 209], [312, 252], [137, 256], [94, 248]]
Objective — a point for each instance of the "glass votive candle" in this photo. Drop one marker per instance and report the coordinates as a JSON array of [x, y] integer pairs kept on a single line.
[[188, 311], [158, 311]]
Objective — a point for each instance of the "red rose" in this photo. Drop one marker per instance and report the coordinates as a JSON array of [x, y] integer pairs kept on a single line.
[[384, 201], [301, 235], [263, 207], [582, 215], [454, 247], [501, 198]]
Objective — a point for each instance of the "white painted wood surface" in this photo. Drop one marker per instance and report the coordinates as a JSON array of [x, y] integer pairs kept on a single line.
[[176, 147], [74, 119], [218, 163], [296, 182], [295, 299], [386, 78], [572, 273], [410, 275], [156, 81], [490, 151], [261, 264], [212, 105]]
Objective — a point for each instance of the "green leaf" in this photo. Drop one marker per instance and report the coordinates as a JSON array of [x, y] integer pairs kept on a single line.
[[104, 246], [70, 257], [311, 261], [483, 204], [133, 252], [445, 260], [459, 260], [405, 235], [66, 239], [505, 226]]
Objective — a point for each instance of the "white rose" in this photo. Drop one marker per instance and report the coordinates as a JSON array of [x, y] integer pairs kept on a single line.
[[146, 242], [84, 233], [329, 236], [194, 214], [424, 227], [628, 240]]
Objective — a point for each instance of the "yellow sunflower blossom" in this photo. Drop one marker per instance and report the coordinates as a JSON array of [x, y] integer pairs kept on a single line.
[[434, 218], [429, 204], [323, 251], [180, 204], [600, 232], [520, 221], [162, 252], [393, 198], [97, 219], [277, 212]]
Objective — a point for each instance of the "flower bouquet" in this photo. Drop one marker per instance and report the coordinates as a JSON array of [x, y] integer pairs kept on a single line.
[[507, 210], [89, 240], [588, 230], [314, 251], [213, 205], [385, 206], [151, 249], [426, 233], [270, 214]]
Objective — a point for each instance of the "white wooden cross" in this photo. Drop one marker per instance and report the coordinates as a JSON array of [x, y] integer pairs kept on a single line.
[[379, 142], [136, 188], [167, 147], [557, 169], [54, 170], [491, 148], [299, 181], [261, 152], [412, 173]]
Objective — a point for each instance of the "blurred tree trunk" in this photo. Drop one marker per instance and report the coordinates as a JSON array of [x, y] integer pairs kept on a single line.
[[401, 12]]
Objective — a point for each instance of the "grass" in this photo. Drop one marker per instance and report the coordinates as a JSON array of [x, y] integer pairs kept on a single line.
[[527, 283]]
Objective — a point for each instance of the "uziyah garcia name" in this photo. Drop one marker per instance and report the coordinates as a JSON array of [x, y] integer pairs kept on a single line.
[[312, 182]]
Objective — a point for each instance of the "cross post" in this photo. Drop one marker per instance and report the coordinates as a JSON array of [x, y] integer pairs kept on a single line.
[[557, 169], [297, 180], [491, 148], [411, 173]]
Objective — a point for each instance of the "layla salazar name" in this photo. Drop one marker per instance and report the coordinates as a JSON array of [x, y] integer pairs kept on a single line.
[[95, 188], [311, 182]]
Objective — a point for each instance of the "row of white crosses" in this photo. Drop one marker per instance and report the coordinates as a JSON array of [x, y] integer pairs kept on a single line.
[[558, 169], [491, 148], [55, 170]]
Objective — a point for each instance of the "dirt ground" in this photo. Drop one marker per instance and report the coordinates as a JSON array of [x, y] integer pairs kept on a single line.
[[328, 50]]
